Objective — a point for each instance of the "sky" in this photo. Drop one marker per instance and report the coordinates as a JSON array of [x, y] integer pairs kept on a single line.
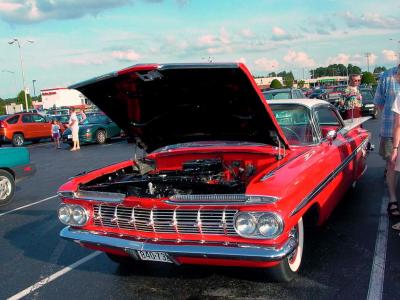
[[74, 40]]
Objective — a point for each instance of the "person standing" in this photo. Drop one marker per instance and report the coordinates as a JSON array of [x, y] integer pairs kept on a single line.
[[388, 88], [55, 133], [351, 103], [74, 125]]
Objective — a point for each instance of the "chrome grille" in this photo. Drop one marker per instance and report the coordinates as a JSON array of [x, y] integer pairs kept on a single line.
[[166, 220]]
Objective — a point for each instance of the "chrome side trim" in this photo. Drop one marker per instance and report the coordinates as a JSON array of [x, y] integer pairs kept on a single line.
[[328, 179], [236, 252]]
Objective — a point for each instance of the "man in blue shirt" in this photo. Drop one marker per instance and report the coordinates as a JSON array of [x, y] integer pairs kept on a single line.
[[388, 87]]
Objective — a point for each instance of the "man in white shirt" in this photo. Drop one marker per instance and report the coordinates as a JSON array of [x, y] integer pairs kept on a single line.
[[74, 125]]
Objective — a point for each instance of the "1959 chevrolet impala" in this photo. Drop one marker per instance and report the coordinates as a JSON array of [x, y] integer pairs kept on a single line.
[[227, 178]]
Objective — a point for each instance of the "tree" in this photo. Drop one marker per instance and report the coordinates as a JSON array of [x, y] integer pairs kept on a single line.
[[379, 70], [368, 78], [272, 74], [2, 107], [301, 83], [21, 99], [275, 84], [353, 69]]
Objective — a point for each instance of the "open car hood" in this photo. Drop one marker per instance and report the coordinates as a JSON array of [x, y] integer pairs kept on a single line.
[[160, 105]]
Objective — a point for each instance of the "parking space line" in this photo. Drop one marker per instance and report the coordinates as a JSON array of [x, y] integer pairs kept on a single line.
[[28, 205], [377, 277], [54, 276]]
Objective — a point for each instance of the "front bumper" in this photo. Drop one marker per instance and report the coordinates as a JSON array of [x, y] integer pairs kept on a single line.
[[237, 252]]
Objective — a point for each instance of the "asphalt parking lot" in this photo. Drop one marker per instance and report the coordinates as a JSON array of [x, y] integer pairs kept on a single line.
[[355, 255]]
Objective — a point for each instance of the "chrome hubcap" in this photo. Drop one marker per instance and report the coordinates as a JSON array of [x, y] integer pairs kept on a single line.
[[18, 140], [5, 187], [101, 137]]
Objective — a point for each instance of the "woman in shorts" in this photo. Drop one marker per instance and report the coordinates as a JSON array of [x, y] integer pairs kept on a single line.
[[74, 125]]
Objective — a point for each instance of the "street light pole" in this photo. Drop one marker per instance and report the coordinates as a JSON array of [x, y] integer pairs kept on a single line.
[[15, 40], [34, 91]]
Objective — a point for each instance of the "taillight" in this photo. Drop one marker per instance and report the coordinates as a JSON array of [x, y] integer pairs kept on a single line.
[[3, 124]]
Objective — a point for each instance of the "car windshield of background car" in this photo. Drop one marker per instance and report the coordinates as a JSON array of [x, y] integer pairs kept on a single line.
[[367, 97], [294, 121], [277, 95]]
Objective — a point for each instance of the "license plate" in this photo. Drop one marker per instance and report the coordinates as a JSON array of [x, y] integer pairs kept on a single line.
[[69, 136], [154, 256]]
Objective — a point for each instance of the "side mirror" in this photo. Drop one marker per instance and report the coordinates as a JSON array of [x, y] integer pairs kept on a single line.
[[331, 135]]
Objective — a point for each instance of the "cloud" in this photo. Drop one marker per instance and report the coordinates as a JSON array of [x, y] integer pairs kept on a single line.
[[341, 58], [35, 11], [127, 56], [370, 20], [247, 33], [265, 64], [279, 34], [300, 59], [389, 55]]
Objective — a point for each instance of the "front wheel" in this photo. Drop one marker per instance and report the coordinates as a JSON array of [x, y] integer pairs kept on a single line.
[[7, 187], [287, 268]]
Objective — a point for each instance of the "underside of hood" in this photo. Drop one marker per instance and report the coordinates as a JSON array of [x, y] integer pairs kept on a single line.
[[160, 105]]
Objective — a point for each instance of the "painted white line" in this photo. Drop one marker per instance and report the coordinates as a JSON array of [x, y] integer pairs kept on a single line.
[[28, 205], [377, 278], [54, 276]]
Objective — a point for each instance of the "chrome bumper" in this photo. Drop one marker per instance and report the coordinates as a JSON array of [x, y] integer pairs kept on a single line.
[[237, 252]]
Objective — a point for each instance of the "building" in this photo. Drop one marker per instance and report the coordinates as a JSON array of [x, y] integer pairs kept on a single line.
[[265, 82], [58, 97]]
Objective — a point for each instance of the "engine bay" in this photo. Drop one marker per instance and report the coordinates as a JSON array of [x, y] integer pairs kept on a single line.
[[193, 176]]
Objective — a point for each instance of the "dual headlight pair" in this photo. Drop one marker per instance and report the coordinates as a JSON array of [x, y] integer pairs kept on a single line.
[[73, 215], [258, 225]]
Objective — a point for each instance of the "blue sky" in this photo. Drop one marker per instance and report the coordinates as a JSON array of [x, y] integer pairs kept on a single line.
[[78, 39]]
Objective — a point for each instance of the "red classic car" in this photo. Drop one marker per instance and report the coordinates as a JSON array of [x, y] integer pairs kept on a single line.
[[226, 178]]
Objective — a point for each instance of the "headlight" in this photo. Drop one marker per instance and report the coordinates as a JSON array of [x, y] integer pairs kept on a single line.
[[258, 225], [64, 214], [269, 225], [245, 224], [73, 215]]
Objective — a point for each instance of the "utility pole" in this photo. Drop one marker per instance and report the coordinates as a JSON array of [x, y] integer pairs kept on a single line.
[[368, 54], [15, 40]]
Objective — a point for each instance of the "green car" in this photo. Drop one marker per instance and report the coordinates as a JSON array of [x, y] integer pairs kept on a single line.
[[96, 128], [14, 166]]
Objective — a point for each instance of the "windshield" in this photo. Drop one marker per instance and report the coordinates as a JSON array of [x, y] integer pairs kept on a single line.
[[367, 96], [62, 119], [96, 119], [3, 117], [294, 121], [277, 95]]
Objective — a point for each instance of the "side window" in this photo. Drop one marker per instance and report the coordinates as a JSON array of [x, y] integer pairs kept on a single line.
[[26, 118], [13, 120], [38, 119], [327, 119]]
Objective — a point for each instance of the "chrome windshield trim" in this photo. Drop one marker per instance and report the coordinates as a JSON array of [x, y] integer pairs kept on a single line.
[[218, 199], [236, 252]]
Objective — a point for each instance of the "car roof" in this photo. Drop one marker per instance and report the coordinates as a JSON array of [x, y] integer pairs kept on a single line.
[[305, 102], [278, 90]]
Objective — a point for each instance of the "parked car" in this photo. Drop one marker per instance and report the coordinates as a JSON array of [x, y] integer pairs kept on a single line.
[[63, 121], [286, 93], [20, 127], [227, 178], [96, 128], [368, 105], [335, 93], [319, 94], [14, 166]]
